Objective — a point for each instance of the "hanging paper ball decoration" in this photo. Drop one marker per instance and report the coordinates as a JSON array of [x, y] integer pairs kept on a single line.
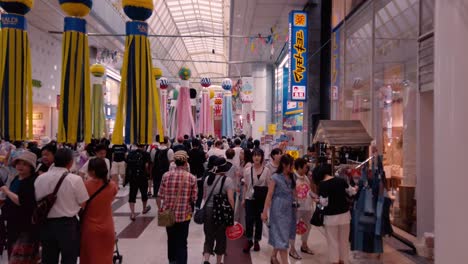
[[76, 8], [227, 84], [97, 70], [157, 73], [185, 73], [139, 10], [205, 82], [193, 93], [163, 83], [21, 7]]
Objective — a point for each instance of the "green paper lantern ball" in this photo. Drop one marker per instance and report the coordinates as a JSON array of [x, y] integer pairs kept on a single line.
[[185, 73]]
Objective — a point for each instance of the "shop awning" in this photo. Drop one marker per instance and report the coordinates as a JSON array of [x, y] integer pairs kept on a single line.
[[340, 133]]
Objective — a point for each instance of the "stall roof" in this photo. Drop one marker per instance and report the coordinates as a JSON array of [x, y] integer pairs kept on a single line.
[[342, 133]]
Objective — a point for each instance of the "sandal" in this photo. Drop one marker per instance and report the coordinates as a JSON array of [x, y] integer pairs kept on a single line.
[[132, 217], [294, 255], [146, 210], [307, 250]]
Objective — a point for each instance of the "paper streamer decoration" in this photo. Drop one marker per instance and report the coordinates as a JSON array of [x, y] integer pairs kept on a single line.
[[16, 103], [163, 85], [98, 116], [139, 99], [74, 124], [227, 122], [172, 112], [185, 122], [205, 122]]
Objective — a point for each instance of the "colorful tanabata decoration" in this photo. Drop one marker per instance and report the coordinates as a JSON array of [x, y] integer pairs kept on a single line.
[[227, 128], [174, 96], [139, 99], [74, 124], [97, 101], [205, 121], [16, 103], [163, 85], [185, 122]]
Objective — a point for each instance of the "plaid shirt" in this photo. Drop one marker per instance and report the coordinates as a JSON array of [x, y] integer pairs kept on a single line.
[[174, 182]]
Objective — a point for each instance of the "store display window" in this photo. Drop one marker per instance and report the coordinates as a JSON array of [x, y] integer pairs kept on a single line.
[[374, 80]]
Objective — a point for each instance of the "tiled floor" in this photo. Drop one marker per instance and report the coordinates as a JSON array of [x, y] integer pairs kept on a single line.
[[144, 242]]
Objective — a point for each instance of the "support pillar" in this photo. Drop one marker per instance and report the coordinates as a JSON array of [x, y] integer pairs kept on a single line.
[[451, 130]]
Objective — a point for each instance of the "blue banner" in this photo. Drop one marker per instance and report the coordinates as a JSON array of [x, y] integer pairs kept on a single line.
[[137, 28], [298, 55], [75, 24], [13, 21]]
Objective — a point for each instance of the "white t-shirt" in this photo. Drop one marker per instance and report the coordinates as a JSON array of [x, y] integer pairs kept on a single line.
[[84, 169], [71, 194], [236, 160], [214, 151]]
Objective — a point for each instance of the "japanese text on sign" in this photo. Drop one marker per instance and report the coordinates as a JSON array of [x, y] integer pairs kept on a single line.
[[299, 47]]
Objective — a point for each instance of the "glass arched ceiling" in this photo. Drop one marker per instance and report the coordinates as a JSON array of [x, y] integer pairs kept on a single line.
[[191, 17]]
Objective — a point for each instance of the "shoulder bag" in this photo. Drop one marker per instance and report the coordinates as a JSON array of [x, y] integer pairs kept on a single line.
[[199, 217], [82, 211], [44, 205], [317, 217], [223, 213], [260, 192], [166, 217]]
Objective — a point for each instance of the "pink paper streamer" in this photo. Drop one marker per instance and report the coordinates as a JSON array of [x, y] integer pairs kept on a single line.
[[185, 123]]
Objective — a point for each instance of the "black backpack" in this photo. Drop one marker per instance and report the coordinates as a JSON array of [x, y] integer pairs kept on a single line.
[[161, 163], [135, 163]]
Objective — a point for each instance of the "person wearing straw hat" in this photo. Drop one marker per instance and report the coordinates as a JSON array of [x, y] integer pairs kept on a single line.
[[178, 192], [23, 239]]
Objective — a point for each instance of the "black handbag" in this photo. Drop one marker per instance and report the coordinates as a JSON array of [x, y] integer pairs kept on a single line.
[[199, 216], [260, 192], [223, 213], [317, 217]]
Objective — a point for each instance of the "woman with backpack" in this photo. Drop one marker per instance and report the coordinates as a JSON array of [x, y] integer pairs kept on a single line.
[[217, 183], [97, 224]]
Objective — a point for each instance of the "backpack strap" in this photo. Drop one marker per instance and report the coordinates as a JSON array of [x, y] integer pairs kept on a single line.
[[211, 192], [59, 183]]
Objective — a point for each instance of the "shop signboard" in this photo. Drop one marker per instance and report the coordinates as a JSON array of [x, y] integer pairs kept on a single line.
[[298, 55], [335, 65], [247, 90]]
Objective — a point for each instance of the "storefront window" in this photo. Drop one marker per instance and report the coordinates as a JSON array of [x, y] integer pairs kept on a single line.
[[341, 8], [374, 75]]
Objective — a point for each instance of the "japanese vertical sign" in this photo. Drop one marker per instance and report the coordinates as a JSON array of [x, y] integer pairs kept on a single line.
[[335, 66], [298, 55]]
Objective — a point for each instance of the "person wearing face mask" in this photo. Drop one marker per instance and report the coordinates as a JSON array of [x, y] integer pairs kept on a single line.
[[280, 204]]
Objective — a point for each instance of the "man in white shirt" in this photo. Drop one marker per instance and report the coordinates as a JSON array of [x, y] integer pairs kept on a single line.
[[217, 150], [60, 233]]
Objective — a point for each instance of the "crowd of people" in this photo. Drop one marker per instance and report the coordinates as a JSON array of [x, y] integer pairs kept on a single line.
[[185, 175]]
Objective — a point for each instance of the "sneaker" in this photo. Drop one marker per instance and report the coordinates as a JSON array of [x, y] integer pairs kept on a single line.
[[248, 246], [256, 246]]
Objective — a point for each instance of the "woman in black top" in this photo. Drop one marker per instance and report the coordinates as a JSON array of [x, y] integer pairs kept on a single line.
[[333, 192], [23, 241]]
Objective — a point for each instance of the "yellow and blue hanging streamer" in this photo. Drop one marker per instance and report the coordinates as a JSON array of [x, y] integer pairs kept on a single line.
[[139, 97], [74, 123], [16, 104], [97, 107]]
